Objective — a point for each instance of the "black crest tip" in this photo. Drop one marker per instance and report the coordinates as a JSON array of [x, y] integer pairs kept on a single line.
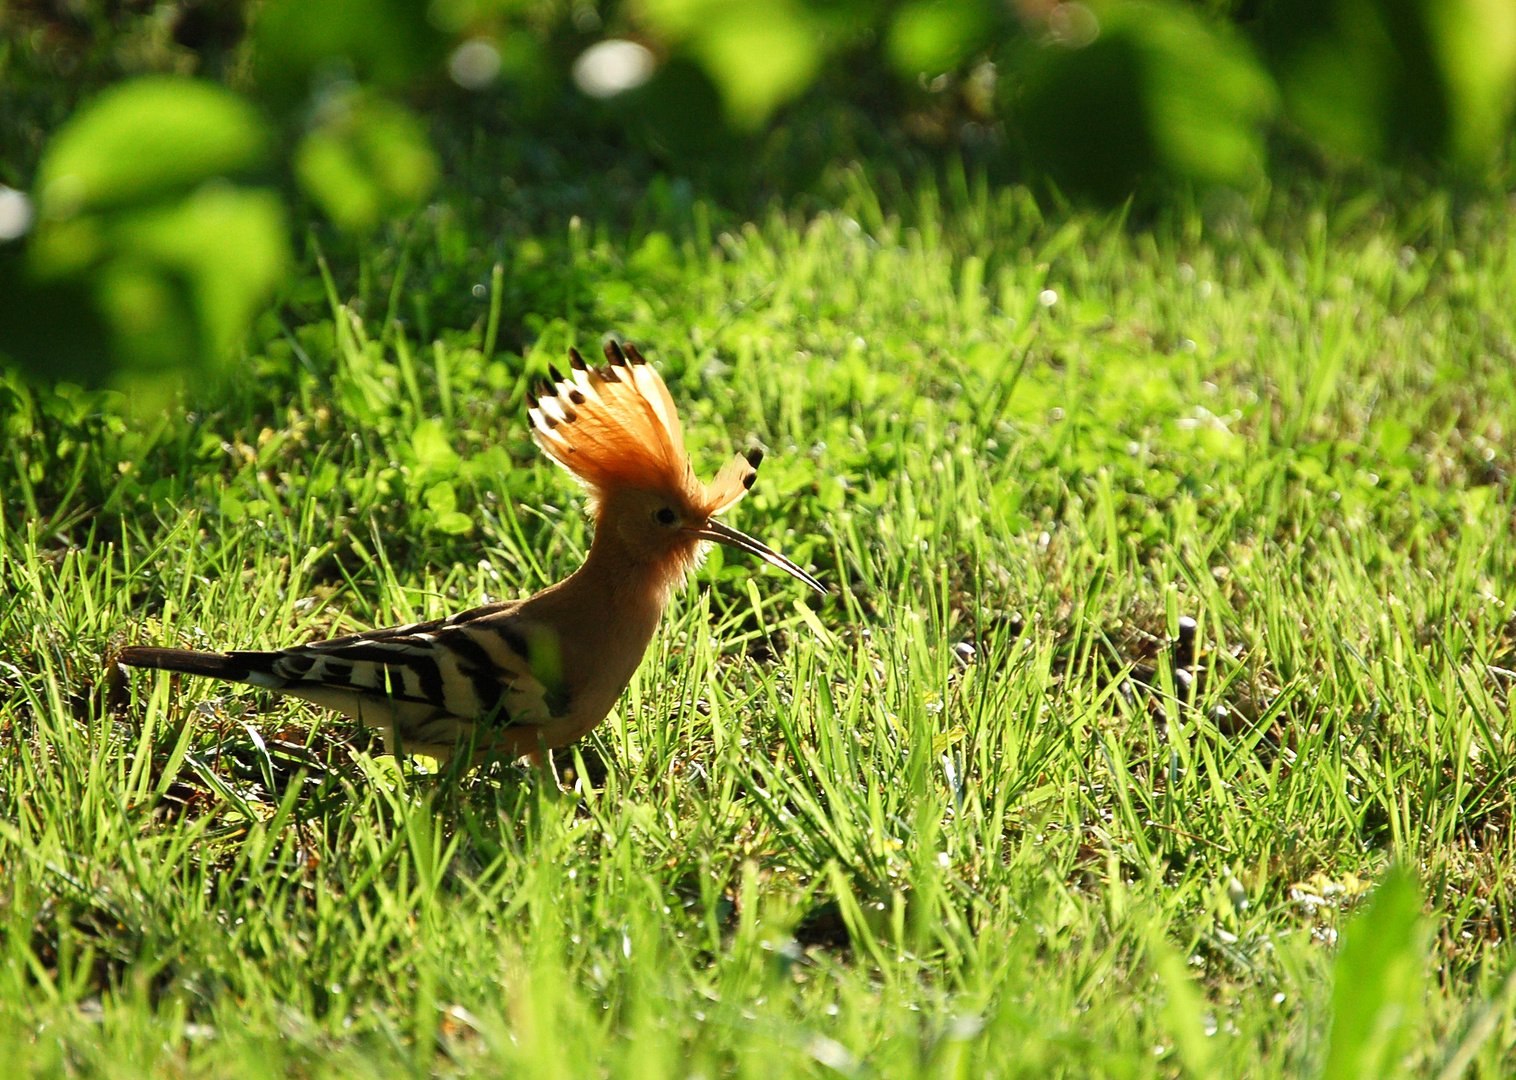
[[576, 362], [754, 456]]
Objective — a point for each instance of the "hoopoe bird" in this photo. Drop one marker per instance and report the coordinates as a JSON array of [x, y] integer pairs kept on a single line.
[[524, 677]]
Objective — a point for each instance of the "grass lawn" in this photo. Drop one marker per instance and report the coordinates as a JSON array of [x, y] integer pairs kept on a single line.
[[1172, 578]]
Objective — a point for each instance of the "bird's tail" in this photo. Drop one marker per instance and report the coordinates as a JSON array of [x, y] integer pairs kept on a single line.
[[236, 667]]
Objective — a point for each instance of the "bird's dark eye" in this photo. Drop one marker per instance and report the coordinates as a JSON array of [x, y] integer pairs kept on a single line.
[[664, 516]]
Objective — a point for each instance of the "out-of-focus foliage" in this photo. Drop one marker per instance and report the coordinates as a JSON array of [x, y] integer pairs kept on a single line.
[[1379, 986], [1372, 79], [383, 43], [1129, 89], [163, 204], [148, 140], [368, 158], [142, 228], [758, 53], [331, 71], [936, 35]]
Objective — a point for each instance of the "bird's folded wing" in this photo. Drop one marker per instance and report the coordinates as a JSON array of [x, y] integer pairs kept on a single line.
[[475, 666]]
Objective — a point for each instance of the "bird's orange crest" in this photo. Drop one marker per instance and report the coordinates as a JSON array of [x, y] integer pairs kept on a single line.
[[616, 426]]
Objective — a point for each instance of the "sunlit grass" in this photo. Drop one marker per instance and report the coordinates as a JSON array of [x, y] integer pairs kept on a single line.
[[1172, 579]]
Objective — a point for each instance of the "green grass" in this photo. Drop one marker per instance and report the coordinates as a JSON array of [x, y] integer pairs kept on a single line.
[[812, 839]]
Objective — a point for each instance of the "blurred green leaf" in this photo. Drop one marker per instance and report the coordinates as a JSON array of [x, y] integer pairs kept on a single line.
[[1371, 78], [1207, 96], [934, 36], [676, 18], [1357, 76], [332, 175], [371, 159], [454, 522], [760, 56], [430, 444], [441, 498], [60, 249], [1182, 1011], [1476, 46], [229, 245], [1378, 982], [1150, 88], [182, 281], [157, 257], [151, 314], [147, 139]]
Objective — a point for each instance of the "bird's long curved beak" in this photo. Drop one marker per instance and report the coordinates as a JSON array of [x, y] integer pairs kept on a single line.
[[725, 534]]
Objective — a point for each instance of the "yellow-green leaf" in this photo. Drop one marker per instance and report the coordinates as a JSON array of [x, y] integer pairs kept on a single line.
[[148, 139], [226, 247], [760, 56], [933, 36], [371, 159]]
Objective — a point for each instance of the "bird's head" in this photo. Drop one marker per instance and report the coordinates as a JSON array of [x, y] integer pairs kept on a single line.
[[615, 428]]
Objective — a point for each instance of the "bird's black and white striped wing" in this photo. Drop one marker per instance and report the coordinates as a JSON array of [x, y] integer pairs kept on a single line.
[[424, 686], [429, 684]]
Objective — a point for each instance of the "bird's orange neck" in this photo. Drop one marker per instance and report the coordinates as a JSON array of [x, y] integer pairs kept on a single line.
[[608, 609], [614, 594], [635, 578]]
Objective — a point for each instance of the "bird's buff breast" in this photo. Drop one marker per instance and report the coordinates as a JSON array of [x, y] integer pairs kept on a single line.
[[589, 691]]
